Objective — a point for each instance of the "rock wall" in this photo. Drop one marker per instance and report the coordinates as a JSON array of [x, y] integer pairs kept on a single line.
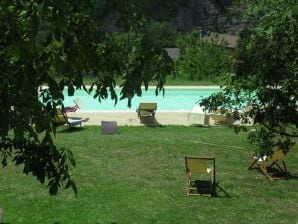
[[206, 15]]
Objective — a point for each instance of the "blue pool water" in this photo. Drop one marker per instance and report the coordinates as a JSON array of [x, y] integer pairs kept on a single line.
[[174, 99]]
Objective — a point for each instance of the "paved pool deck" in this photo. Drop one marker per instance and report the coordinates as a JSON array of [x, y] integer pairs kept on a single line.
[[130, 118]]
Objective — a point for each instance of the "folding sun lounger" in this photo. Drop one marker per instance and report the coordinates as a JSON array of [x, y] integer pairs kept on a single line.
[[61, 119], [202, 168], [272, 166], [147, 110], [78, 104]]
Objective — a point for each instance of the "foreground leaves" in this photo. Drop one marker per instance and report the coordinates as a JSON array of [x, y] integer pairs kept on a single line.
[[45, 41], [265, 84]]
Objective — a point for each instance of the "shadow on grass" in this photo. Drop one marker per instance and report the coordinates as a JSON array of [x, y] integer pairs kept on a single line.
[[292, 176], [284, 176], [200, 126], [71, 129], [221, 192], [203, 187], [150, 122], [61, 223], [277, 173], [211, 126]]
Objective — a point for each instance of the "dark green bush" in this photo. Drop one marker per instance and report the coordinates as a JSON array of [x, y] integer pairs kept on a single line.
[[201, 59]]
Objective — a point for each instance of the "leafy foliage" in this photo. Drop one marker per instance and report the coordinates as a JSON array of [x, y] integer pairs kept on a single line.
[[201, 59], [162, 34], [45, 39], [265, 84], [138, 59]]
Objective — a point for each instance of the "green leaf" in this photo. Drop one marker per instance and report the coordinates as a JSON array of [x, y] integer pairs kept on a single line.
[[53, 187], [71, 183], [71, 158], [71, 90], [39, 127]]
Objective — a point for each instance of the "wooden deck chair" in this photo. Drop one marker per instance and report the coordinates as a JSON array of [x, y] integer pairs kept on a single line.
[[61, 119], [270, 165], [218, 119], [203, 168], [147, 110], [78, 104]]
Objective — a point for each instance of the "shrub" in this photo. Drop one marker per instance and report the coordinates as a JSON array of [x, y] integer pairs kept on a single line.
[[201, 59]]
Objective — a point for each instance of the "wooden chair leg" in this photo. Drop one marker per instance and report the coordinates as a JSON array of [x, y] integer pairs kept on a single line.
[[212, 183], [187, 184], [254, 162], [279, 167], [264, 170], [285, 168]]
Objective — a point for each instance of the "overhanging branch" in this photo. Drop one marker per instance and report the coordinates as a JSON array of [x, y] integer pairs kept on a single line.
[[279, 132]]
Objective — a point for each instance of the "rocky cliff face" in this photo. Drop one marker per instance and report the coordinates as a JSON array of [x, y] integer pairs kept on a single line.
[[207, 15], [184, 15]]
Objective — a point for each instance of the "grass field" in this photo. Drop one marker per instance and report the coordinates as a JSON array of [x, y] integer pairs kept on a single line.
[[138, 176]]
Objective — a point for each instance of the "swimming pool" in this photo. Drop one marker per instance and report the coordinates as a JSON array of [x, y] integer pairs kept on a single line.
[[175, 99]]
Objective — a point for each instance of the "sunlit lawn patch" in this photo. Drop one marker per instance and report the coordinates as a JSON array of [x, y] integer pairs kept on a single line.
[[138, 176]]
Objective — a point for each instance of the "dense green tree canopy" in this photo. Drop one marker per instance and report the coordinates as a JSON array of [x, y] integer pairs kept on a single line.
[[265, 83], [202, 59], [45, 39]]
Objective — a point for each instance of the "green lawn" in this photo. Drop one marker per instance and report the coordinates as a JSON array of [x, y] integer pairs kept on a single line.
[[138, 176]]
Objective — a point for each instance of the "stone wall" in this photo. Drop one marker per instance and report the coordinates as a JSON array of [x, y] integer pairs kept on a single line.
[[206, 15]]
